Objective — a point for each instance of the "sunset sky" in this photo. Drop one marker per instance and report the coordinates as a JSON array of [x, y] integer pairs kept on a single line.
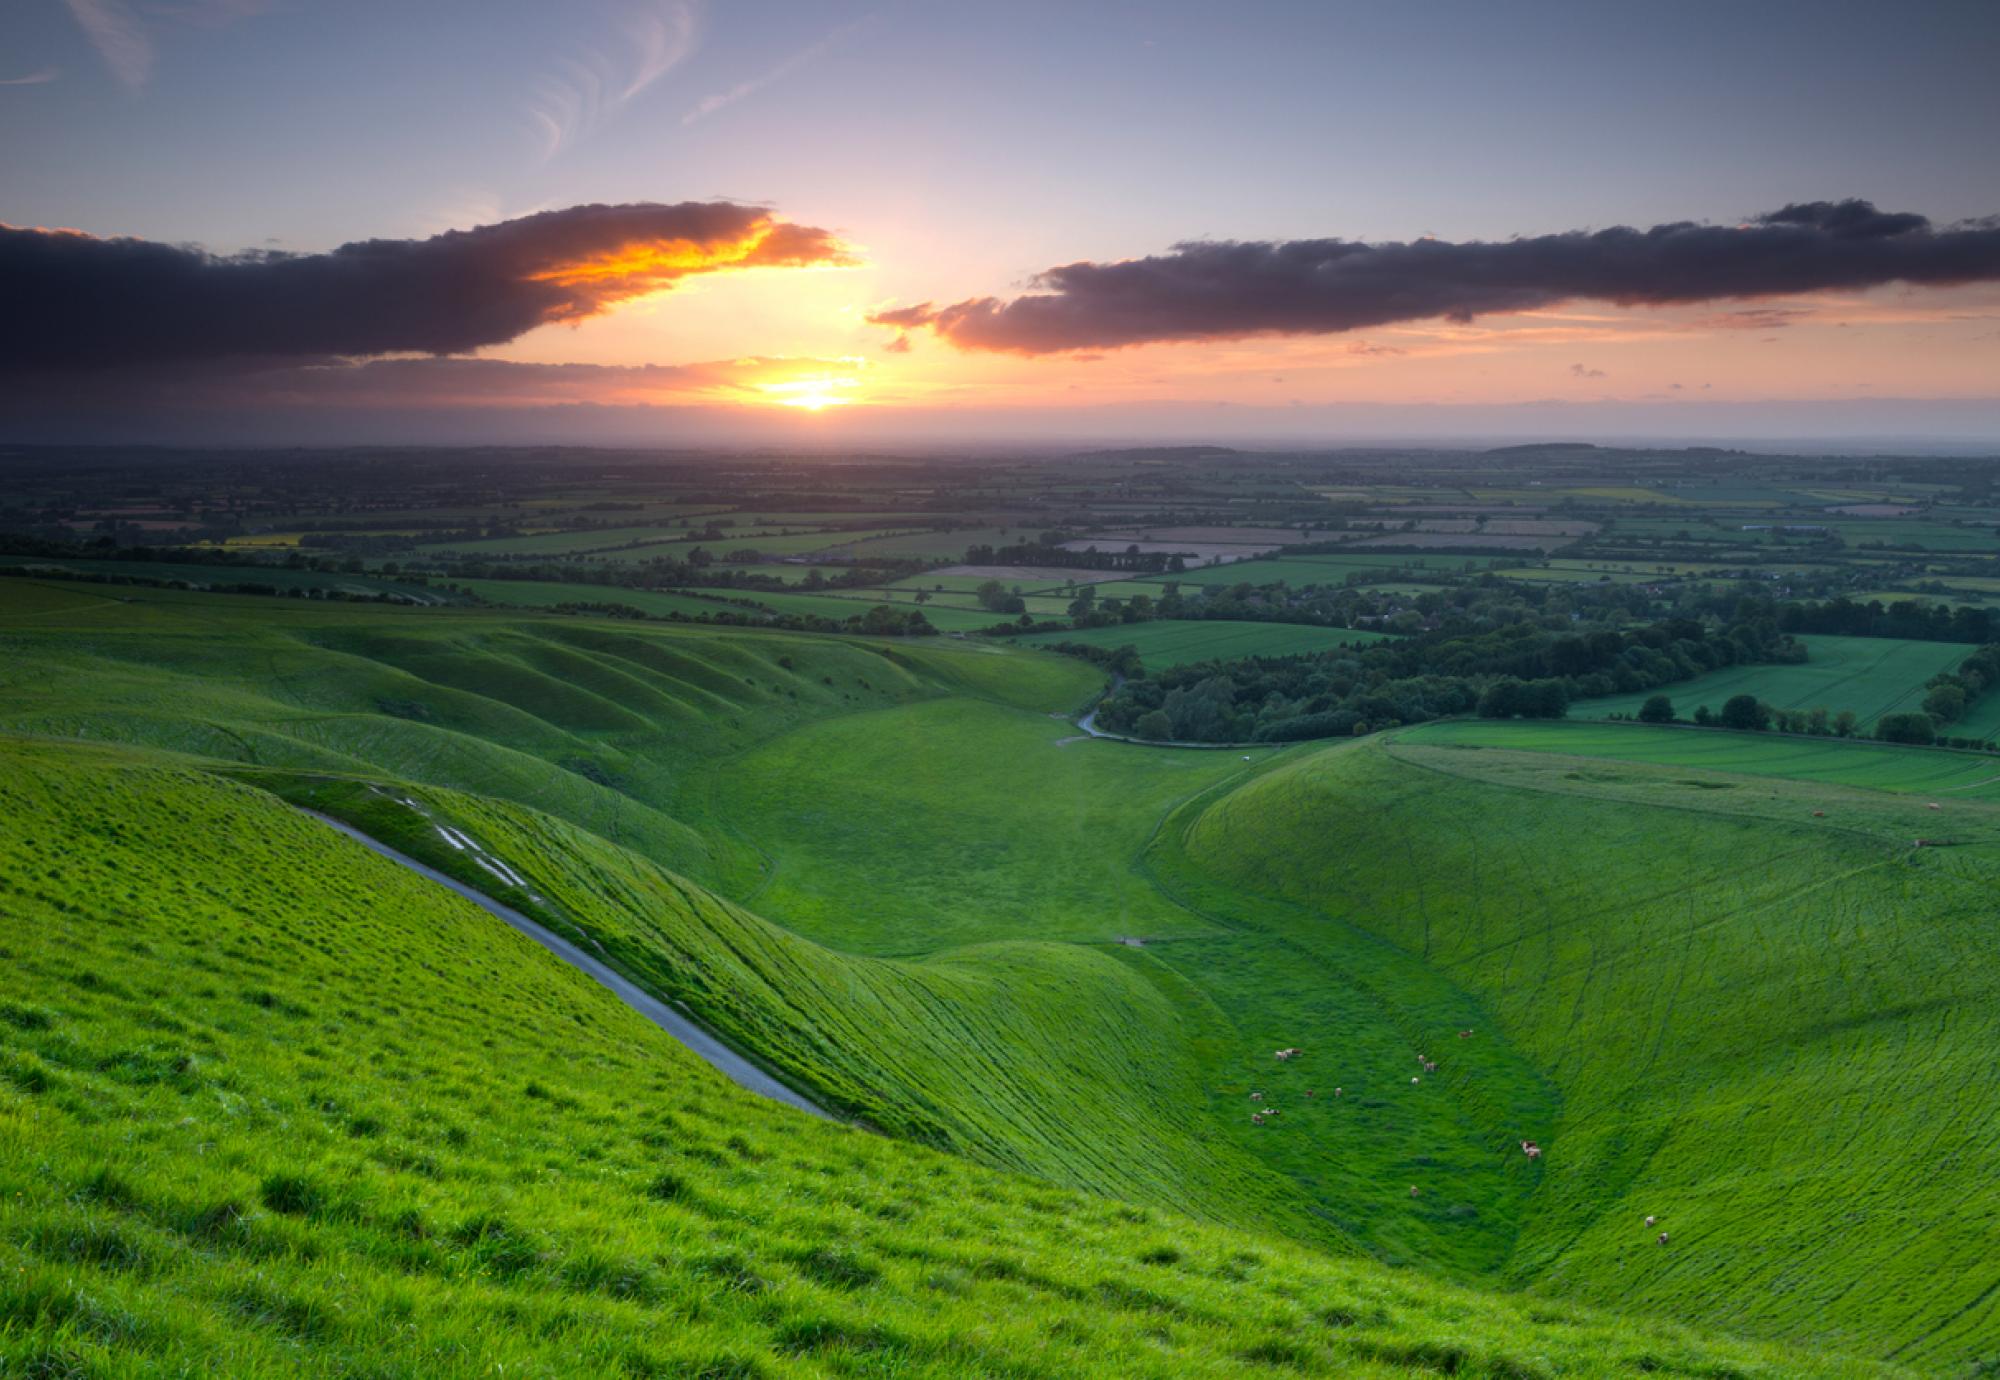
[[1357, 221]]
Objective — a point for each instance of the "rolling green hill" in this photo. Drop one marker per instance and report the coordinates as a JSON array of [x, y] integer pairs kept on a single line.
[[273, 1106], [893, 873], [1766, 1028]]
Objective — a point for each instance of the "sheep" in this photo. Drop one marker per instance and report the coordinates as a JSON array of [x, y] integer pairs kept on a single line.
[[1933, 806], [1256, 1097], [1414, 1190], [1415, 1079], [1534, 1152], [1651, 1220], [1819, 814], [1663, 1238], [1336, 1092], [1465, 1034], [1257, 1117]]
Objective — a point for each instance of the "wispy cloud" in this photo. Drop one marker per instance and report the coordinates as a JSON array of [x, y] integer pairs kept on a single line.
[[805, 57], [591, 82], [119, 36], [41, 78]]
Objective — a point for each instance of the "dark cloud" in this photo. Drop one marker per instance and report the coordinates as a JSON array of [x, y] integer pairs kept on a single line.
[[1213, 290], [1585, 372], [73, 301], [397, 383]]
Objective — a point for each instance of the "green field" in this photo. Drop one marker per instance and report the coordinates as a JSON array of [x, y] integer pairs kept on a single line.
[[841, 606], [1171, 642], [1872, 676], [893, 872], [542, 594], [1836, 761], [202, 576]]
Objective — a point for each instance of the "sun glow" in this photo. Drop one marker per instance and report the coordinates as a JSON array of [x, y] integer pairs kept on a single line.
[[814, 394]]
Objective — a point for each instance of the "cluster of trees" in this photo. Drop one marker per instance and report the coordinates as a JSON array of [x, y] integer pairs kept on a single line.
[[1516, 670], [1910, 618], [1952, 692]]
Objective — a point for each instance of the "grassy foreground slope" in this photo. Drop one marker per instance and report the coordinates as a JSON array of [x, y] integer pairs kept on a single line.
[[988, 1050], [270, 1105], [1777, 1032]]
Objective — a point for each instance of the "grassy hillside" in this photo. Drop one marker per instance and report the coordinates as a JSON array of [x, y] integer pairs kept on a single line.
[[894, 874], [271, 1106], [603, 723], [984, 1050], [1872, 676], [1820, 1156]]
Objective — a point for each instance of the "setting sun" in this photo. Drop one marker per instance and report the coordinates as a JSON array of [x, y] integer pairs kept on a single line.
[[812, 394]]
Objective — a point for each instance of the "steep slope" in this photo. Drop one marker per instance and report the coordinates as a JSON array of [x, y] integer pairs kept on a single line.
[[602, 723], [1778, 1032], [273, 1106]]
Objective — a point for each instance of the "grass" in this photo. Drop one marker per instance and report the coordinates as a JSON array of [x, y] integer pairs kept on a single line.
[[1818, 1160], [1834, 761], [1872, 676], [541, 594], [1172, 642], [905, 889], [252, 1131], [198, 575]]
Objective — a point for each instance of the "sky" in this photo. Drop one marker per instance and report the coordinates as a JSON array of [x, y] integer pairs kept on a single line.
[[703, 221]]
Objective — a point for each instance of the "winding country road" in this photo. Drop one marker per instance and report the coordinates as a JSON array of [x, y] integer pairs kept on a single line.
[[704, 1045]]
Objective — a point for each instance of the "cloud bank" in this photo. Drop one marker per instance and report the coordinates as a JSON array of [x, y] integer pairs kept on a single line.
[[1221, 290], [75, 301]]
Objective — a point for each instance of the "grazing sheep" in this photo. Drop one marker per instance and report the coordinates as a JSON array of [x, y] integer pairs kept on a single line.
[[1309, 1092], [1663, 1238], [1933, 806], [1819, 814], [1336, 1092], [1430, 1066], [1465, 1034], [1413, 1190], [1651, 1220], [1534, 1152], [1415, 1079], [1257, 1117]]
